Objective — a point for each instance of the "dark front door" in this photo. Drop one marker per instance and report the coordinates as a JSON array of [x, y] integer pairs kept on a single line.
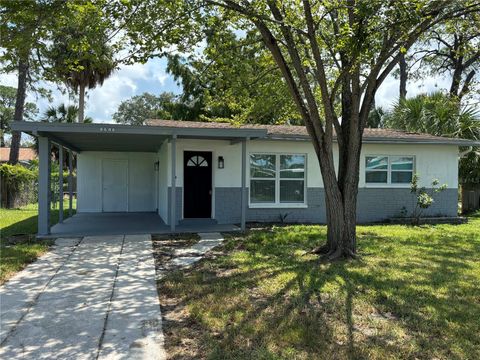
[[197, 183]]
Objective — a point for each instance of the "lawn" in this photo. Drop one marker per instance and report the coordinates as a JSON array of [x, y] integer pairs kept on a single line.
[[15, 257], [414, 293]]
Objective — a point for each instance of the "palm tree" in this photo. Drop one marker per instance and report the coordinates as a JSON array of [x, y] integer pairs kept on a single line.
[[441, 115], [63, 114], [81, 55]]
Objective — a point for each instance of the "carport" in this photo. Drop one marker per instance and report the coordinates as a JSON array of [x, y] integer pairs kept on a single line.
[[75, 138]]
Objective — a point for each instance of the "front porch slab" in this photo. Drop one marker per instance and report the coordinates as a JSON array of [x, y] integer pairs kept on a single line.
[[98, 224]]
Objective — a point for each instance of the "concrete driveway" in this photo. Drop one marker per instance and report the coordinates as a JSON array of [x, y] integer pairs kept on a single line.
[[89, 298]]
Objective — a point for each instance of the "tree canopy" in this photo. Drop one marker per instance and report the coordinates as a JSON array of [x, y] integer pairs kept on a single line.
[[7, 110], [332, 57]]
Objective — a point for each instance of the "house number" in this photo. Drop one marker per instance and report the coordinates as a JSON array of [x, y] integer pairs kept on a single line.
[[107, 129]]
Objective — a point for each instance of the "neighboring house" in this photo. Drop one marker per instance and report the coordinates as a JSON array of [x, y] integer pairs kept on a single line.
[[125, 168], [25, 155]]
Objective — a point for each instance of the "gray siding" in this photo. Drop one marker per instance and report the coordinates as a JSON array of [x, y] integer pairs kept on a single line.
[[377, 204], [374, 204], [179, 203]]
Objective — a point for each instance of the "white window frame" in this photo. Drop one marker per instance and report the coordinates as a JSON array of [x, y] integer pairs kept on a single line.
[[389, 171], [277, 203]]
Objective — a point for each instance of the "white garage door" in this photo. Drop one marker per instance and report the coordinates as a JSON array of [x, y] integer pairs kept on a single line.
[[115, 185]]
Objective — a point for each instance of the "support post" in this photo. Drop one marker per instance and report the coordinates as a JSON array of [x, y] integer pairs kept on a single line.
[[243, 182], [60, 184], [70, 183], [173, 192], [44, 190]]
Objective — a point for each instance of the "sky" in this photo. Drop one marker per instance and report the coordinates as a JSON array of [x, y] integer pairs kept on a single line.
[[152, 77]]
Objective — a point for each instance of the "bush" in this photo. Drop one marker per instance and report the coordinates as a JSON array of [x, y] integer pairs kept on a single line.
[[18, 185]]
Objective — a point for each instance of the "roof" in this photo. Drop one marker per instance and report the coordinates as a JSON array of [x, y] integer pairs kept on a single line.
[[300, 132], [115, 137], [24, 154], [150, 137]]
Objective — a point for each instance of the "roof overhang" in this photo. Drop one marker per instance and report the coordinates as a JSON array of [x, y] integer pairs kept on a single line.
[[390, 140], [114, 137]]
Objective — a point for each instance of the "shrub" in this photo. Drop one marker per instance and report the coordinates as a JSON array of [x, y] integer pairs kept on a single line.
[[18, 184], [424, 198]]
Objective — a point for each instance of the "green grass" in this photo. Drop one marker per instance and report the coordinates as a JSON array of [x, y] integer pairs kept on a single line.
[[21, 221], [414, 293]]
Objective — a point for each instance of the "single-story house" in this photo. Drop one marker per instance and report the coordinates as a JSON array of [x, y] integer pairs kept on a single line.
[[230, 174]]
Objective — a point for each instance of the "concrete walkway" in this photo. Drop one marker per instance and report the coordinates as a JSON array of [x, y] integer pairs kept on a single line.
[[93, 298]]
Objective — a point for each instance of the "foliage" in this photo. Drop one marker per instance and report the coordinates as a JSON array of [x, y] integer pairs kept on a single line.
[[441, 115], [79, 51], [376, 118], [139, 108], [451, 49], [412, 294], [63, 114], [17, 185], [234, 77], [7, 109], [423, 196], [25, 27], [16, 175]]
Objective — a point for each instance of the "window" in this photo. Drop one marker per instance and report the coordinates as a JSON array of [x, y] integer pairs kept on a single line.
[[197, 161], [389, 169], [402, 169], [277, 179]]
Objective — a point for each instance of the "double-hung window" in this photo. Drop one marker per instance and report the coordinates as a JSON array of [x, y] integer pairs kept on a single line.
[[389, 169], [277, 179]]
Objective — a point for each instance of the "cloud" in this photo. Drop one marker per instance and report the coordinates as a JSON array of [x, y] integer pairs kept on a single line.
[[103, 101]]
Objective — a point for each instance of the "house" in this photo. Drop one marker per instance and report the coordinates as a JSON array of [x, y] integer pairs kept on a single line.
[[25, 155], [184, 171]]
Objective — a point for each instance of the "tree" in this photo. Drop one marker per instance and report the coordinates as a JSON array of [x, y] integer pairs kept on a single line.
[[332, 55], [139, 108], [7, 110], [220, 86], [440, 114], [63, 114], [24, 26], [452, 49], [80, 52]]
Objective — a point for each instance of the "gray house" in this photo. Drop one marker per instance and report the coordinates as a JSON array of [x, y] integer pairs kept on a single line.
[[172, 175]]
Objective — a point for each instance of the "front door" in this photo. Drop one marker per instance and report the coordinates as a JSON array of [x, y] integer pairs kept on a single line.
[[115, 185], [197, 183]]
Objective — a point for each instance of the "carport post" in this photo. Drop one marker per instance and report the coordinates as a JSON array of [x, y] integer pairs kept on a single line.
[[44, 191], [60, 183], [173, 193], [70, 182], [243, 201]]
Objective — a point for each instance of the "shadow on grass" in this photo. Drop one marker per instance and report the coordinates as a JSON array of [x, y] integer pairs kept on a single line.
[[411, 296]]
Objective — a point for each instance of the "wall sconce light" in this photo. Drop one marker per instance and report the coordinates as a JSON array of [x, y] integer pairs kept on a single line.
[[157, 165], [221, 162]]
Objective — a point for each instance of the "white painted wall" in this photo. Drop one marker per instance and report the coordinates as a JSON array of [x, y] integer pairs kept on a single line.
[[147, 190], [141, 178], [431, 161]]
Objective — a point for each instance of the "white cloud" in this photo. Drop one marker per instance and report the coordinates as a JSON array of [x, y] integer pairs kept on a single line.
[[102, 102]]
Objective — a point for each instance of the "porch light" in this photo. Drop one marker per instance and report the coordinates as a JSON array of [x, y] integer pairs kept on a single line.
[[221, 162], [157, 165]]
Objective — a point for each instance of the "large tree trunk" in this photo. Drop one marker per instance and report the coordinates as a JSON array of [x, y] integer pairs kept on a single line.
[[403, 76], [81, 103], [19, 109]]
